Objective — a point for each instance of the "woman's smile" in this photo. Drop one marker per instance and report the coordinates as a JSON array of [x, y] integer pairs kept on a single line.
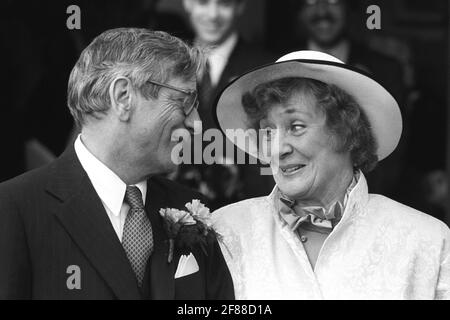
[[291, 170]]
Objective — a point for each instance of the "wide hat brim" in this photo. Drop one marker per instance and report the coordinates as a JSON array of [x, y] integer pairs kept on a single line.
[[378, 104]]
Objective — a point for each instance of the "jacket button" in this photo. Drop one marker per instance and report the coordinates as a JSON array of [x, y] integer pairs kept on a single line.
[[303, 239]]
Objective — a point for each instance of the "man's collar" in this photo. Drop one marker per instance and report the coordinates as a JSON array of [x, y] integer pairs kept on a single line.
[[109, 187], [218, 57], [224, 49]]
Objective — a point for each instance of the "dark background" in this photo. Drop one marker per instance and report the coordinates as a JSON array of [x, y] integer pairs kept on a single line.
[[40, 52]]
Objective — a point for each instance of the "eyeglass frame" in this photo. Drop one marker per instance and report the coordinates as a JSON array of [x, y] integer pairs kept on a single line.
[[191, 93]]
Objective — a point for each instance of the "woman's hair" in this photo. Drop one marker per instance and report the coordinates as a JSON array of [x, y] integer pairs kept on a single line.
[[345, 120]]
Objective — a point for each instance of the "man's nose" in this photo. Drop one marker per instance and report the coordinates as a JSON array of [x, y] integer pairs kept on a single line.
[[322, 8], [193, 121], [213, 10]]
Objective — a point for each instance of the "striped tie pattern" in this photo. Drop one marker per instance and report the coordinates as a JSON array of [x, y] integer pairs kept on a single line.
[[137, 237]]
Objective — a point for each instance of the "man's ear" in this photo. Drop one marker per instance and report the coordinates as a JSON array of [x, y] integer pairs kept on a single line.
[[187, 4], [120, 94]]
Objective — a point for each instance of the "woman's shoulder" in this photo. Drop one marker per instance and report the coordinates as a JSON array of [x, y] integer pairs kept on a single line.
[[406, 216], [241, 211]]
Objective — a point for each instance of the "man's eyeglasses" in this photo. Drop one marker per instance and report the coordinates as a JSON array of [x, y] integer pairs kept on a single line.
[[190, 102]]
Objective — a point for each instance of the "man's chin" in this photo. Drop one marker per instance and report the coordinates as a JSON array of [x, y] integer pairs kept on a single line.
[[170, 168], [214, 39]]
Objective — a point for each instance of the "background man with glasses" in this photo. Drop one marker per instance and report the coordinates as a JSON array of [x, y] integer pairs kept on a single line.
[[96, 208], [326, 25]]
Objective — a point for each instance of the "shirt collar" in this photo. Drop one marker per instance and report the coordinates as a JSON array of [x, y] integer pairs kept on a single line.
[[224, 49], [218, 57], [109, 187]]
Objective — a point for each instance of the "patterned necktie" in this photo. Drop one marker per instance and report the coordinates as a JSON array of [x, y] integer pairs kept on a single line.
[[137, 237]]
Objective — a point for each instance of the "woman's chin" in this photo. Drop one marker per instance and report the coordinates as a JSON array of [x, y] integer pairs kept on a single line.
[[292, 186], [293, 191]]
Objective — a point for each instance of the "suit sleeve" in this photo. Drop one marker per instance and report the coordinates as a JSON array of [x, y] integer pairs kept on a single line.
[[15, 268], [219, 284]]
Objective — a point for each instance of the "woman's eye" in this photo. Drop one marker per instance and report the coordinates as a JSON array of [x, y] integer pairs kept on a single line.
[[297, 128]]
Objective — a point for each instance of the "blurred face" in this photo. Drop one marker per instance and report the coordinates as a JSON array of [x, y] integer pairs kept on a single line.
[[324, 20], [303, 160], [213, 20], [154, 122]]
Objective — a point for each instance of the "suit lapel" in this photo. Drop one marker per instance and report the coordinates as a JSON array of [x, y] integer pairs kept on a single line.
[[83, 216], [161, 273], [162, 282]]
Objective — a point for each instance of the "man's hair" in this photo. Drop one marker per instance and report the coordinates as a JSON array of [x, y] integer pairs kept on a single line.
[[138, 54], [345, 119]]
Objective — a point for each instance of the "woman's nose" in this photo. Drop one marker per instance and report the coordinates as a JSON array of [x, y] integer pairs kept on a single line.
[[281, 146], [285, 150]]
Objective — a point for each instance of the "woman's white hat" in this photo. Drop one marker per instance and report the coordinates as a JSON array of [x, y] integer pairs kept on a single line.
[[379, 105]]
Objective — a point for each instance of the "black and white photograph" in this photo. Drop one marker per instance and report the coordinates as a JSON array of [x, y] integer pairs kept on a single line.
[[241, 151]]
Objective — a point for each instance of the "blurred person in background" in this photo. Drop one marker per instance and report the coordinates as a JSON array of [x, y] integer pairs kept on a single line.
[[147, 14], [326, 23], [425, 177], [215, 27]]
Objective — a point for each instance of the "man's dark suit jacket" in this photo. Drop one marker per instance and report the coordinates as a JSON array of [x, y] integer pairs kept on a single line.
[[52, 218]]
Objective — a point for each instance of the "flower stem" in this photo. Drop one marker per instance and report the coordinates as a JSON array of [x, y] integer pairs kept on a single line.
[[171, 248]]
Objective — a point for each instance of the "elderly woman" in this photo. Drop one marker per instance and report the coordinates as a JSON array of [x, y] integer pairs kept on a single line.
[[320, 234]]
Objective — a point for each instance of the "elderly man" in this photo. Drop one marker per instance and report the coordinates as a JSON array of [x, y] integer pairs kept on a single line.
[[88, 226]]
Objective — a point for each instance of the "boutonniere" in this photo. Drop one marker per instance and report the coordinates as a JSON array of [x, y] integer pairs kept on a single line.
[[188, 229]]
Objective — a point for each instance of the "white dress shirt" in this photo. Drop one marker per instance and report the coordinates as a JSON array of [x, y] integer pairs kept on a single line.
[[380, 249], [218, 57], [109, 187]]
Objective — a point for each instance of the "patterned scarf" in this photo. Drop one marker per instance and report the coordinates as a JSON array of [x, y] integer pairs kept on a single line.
[[315, 218]]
